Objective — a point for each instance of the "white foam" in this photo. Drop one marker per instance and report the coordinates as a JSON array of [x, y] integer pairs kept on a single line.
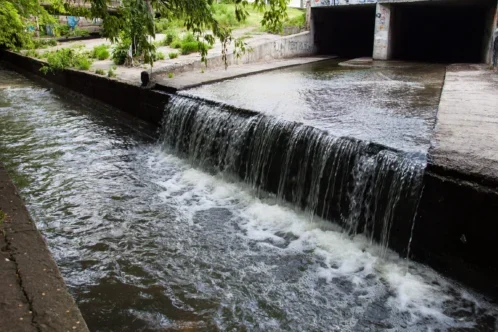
[[413, 288]]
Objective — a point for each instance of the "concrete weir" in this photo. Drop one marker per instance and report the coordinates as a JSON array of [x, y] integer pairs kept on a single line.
[[454, 229]]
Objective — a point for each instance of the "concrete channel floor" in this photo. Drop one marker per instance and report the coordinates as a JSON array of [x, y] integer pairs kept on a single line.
[[466, 134]]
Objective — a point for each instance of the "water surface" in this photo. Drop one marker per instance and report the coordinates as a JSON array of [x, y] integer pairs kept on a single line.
[[394, 105]]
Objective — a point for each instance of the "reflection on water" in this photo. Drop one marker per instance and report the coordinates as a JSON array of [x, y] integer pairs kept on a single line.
[[393, 106], [147, 243]]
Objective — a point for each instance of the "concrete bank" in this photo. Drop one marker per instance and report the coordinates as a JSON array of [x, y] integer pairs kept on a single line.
[[33, 294], [459, 208]]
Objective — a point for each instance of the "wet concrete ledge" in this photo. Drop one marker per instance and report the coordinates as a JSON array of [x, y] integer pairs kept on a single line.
[[456, 229], [34, 296]]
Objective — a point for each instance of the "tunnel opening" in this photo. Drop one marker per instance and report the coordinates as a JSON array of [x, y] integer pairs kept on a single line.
[[445, 32], [346, 31]]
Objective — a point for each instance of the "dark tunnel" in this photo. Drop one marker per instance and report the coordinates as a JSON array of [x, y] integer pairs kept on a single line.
[[447, 32], [346, 31]]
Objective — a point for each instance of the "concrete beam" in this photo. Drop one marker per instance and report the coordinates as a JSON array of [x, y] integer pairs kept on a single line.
[[382, 34]]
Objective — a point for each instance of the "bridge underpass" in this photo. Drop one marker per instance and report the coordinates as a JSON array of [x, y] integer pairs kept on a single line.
[[346, 31], [446, 31]]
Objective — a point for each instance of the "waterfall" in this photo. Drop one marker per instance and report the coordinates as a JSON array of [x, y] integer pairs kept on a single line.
[[365, 187]]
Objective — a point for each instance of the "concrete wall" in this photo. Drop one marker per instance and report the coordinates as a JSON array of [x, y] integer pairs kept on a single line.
[[144, 104], [297, 45]]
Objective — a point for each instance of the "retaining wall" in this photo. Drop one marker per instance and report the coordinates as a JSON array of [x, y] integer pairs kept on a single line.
[[301, 44], [144, 104]]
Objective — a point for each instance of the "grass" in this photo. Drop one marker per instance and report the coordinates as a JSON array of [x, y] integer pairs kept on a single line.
[[173, 55], [100, 52], [160, 56], [171, 75], [111, 73], [99, 72]]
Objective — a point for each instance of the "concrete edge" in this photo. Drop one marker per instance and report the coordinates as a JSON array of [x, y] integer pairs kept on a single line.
[[51, 306], [217, 80]]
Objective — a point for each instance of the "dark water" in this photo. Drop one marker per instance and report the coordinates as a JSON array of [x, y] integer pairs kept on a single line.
[[147, 242], [394, 106]]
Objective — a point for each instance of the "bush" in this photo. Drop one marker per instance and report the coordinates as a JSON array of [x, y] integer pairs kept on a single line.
[[101, 52], [111, 73], [190, 47], [120, 53], [298, 21], [12, 32], [170, 36], [176, 43], [82, 63], [65, 58], [173, 55], [32, 53], [100, 72], [160, 56]]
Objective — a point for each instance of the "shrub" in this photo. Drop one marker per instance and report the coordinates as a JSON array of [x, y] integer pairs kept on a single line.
[[173, 55], [32, 53], [120, 52], [100, 72], [176, 43], [101, 52], [65, 58], [160, 56], [111, 73], [60, 59], [170, 36], [81, 62], [43, 43], [190, 47], [298, 21]]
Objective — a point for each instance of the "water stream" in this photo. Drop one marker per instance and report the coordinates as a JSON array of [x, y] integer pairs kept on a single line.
[[152, 234]]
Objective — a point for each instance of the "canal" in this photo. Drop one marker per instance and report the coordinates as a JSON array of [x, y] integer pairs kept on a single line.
[[149, 239]]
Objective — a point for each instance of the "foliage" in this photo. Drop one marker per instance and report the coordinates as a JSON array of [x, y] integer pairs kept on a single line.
[[176, 43], [100, 52], [12, 34], [190, 47], [160, 56], [171, 75], [99, 72], [136, 21], [297, 21], [120, 52], [65, 58], [111, 73], [43, 43], [32, 53], [173, 55]]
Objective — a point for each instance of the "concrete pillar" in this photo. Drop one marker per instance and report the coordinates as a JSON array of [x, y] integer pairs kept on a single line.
[[382, 34]]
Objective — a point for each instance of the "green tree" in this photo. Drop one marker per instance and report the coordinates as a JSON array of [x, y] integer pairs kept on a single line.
[[17, 15], [134, 23]]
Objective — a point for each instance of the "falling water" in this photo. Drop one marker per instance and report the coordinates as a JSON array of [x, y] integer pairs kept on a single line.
[[365, 187]]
